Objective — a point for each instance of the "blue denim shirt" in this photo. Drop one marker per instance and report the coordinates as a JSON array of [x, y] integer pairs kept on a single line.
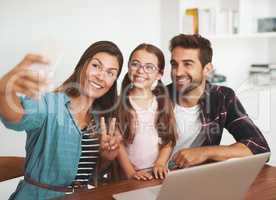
[[53, 145]]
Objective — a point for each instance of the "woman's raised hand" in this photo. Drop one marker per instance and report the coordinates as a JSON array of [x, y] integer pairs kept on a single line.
[[22, 79], [110, 139]]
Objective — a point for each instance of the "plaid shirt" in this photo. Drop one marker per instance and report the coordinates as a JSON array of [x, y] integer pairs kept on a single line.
[[220, 108]]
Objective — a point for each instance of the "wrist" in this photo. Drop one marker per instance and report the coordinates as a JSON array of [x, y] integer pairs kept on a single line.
[[216, 153], [160, 163]]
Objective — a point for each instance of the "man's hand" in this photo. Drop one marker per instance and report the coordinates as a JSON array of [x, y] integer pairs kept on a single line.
[[199, 155], [190, 157], [110, 140]]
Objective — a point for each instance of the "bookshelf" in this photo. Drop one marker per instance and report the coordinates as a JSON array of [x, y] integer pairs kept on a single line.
[[224, 17], [235, 49], [268, 35]]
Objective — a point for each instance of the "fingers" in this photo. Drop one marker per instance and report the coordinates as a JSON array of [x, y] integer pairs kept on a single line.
[[35, 77], [33, 58], [103, 127], [111, 130], [160, 172], [118, 134], [147, 176], [175, 156], [180, 159], [110, 138], [113, 143], [104, 144], [109, 155], [30, 85], [142, 175], [22, 90], [104, 137], [29, 88], [25, 82]]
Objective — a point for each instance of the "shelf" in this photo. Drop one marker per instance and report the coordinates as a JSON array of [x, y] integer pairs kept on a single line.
[[224, 16], [242, 36]]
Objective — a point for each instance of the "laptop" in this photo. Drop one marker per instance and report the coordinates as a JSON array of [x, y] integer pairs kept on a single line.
[[227, 180]]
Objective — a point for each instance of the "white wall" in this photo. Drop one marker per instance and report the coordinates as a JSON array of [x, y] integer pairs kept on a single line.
[[233, 57], [28, 25], [72, 24], [170, 22]]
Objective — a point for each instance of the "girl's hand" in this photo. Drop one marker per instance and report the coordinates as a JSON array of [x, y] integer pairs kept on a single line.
[[23, 79], [110, 139], [142, 175], [160, 171]]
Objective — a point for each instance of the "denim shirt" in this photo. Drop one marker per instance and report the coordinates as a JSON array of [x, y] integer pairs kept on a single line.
[[53, 145]]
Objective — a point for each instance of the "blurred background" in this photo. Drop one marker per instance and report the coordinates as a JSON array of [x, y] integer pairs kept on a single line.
[[243, 34]]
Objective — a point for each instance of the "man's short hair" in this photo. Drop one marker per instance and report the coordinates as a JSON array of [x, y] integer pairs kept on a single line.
[[194, 41]]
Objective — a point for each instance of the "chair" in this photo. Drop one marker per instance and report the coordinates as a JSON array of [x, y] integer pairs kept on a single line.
[[11, 167]]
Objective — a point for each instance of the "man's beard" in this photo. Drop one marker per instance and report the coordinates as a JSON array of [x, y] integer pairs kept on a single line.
[[186, 89]]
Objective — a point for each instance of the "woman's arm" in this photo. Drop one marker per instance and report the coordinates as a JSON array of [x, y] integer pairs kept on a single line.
[[19, 80], [160, 167]]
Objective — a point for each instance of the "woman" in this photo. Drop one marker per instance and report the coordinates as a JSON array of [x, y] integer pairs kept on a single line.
[[146, 116], [63, 147]]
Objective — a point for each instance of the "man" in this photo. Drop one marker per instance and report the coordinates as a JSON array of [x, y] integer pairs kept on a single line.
[[204, 110]]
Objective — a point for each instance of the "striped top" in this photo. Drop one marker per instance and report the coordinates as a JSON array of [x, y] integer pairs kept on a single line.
[[89, 153]]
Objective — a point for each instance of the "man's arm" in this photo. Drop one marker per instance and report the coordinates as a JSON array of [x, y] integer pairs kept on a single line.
[[248, 136], [242, 127], [199, 155]]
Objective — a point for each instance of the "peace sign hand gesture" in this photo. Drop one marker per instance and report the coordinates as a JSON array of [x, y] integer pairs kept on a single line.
[[110, 139]]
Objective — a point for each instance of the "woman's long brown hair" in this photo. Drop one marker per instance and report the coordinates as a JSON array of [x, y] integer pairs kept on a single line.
[[105, 104], [165, 123]]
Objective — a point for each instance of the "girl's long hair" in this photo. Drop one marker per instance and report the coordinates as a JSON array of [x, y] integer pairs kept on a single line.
[[105, 104], [165, 123]]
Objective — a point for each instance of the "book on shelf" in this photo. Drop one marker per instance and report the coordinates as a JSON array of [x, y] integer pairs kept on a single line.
[[259, 68], [206, 22], [272, 66], [193, 14], [200, 21]]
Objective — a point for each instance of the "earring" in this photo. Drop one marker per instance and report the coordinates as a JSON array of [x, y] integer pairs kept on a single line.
[[131, 85], [154, 84]]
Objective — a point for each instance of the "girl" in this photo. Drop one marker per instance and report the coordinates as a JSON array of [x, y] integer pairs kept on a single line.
[[63, 147], [145, 116]]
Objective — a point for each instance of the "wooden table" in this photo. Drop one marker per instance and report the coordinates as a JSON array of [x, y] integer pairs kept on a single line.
[[263, 188], [11, 167]]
